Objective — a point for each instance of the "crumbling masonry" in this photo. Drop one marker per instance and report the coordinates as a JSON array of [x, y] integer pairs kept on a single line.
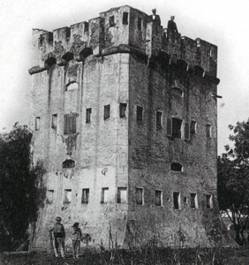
[[124, 117]]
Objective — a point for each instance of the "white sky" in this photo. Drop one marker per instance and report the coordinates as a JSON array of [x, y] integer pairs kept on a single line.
[[222, 22]]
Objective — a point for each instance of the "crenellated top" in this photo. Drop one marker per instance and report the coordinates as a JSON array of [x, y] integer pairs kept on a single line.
[[121, 29]]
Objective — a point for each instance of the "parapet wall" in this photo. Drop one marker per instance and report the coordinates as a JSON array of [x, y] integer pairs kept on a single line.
[[123, 29]]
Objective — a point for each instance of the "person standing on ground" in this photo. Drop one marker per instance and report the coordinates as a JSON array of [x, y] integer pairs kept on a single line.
[[76, 238], [58, 237]]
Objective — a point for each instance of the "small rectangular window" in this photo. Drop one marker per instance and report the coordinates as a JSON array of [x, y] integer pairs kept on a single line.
[[186, 131], [50, 196], [85, 196], [111, 21], [125, 18], [69, 123], [88, 115], [139, 23], [209, 201], [86, 27], [67, 196], [37, 123], [54, 122], [176, 127], [140, 196], [176, 200], [208, 130], [158, 120], [193, 200], [122, 110], [158, 197], [139, 114], [104, 195], [107, 110], [122, 195], [193, 127]]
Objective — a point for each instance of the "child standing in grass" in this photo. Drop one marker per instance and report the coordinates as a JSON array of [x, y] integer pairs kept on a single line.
[[76, 238]]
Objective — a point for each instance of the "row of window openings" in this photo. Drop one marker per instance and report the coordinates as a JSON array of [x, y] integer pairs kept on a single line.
[[125, 20], [122, 197], [174, 125]]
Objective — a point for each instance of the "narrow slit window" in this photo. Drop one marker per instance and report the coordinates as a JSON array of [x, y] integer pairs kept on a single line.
[[139, 114], [125, 18], [50, 196], [85, 196], [139, 23], [176, 200], [193, 201], [122, 110], [67, 196], [209, 201], [193, 127], [86, 27], [158, 198], [111, 21], [69, 123], [88, 115], [54, 122], [122, 195], [140, 196], [208, 130], [176, 127], [159, 120], [104, 195], [37, 123], [107, 110]]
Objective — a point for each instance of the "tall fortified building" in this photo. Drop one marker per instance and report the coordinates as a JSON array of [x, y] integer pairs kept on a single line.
[[125, 120]]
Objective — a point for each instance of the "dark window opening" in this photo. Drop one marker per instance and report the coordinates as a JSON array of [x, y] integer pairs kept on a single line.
[[122, 110], [111, 21], [122, 195], [68, 163], [86, 27], [139, 23], [158, 198], [176, 127], [104, 195], [139, 196], [186, 131], [67, 196], [37, 123], [70, 123], [107, 109], [176, 167], [177, 91], [193, 200], [85, 196], [158, 120], [54, 122], [176, 200], [88, 115], [193, 127], [208, 131], [209, 201], [139, 114], [125, 18]]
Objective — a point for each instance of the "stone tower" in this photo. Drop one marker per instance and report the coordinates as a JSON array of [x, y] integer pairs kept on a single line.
[[124, 117]]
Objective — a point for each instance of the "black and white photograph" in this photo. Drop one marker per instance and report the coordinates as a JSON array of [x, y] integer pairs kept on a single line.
[[124, 132]]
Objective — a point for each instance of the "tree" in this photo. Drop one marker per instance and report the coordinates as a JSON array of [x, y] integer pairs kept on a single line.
[[21, 189], [233, 180]]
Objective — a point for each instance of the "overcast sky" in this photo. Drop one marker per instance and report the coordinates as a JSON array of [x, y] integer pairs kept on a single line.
[[224, 23]]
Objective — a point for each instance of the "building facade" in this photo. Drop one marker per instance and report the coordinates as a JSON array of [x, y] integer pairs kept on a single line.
[[124, 117]]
